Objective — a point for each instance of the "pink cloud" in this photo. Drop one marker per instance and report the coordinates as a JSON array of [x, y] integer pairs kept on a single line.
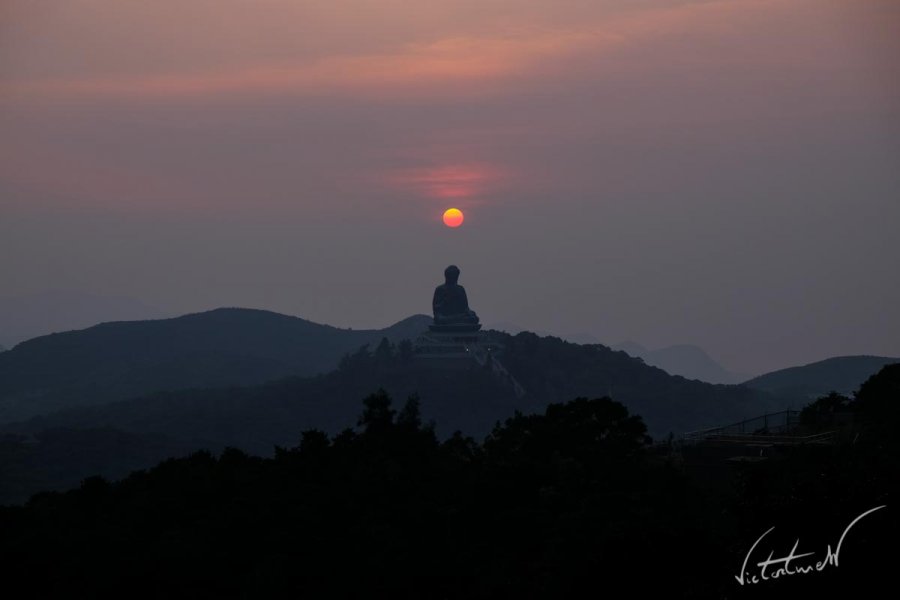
[[452, 62], [460, 182]]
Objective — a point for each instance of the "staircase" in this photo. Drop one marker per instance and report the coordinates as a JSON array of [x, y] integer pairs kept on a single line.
[[483, 356]]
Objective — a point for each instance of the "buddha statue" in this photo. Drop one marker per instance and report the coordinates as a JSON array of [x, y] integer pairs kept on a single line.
[[451, 306]]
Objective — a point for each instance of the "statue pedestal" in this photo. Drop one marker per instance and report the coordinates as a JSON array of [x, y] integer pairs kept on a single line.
[[451, 346], [442, 344], [460, 348], [460, 328]]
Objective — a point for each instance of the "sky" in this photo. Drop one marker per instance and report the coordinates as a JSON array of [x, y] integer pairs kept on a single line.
[[723, 173]]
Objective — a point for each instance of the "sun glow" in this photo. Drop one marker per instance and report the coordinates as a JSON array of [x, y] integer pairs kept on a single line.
[[453, 217]]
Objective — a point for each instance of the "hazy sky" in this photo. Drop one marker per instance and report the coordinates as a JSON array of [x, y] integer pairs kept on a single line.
[[724, 173]]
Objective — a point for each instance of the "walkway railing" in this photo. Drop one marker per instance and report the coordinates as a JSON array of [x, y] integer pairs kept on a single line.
[[765, 425], [826, 437]]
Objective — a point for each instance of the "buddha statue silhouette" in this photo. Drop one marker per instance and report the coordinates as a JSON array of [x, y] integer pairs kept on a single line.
[[451, 306]]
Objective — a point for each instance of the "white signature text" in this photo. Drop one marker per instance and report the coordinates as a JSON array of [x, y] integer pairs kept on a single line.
[[793, 563]]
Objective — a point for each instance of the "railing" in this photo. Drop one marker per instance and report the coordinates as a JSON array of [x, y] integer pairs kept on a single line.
[[765, 425], [826, 437]]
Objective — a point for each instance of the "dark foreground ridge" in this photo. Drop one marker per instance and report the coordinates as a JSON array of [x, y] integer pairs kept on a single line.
[[58, 450], [471, 400], [55, 452], [551, 505]]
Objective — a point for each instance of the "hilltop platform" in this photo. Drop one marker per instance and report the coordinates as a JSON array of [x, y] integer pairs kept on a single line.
[[458, 343]]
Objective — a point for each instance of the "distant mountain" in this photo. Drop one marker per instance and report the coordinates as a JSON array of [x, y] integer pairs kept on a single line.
[[843, 374], [472, 400], [27, 316], [683, 359], [223, 347], [57, 450]]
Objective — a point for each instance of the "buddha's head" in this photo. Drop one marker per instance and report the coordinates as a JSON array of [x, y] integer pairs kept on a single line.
[[451, 274]]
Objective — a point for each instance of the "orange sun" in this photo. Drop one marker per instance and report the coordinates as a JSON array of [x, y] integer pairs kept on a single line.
[[453, 217]]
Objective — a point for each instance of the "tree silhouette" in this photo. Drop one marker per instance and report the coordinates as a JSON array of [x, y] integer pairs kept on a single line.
[[378, 416], [549, 505]]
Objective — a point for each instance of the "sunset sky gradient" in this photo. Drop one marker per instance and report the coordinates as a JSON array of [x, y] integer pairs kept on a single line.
[[721, 172]]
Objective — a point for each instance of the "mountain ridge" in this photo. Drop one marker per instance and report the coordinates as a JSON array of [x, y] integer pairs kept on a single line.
[[225, 346], [687, 360], [468, 399], [842, 374]]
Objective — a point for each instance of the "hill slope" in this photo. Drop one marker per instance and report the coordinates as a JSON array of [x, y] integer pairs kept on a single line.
[[113, 438], [228, 346], [842, 374], [551, 370]]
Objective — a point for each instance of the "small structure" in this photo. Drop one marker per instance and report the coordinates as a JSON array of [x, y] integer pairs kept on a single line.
[[455, 339]]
